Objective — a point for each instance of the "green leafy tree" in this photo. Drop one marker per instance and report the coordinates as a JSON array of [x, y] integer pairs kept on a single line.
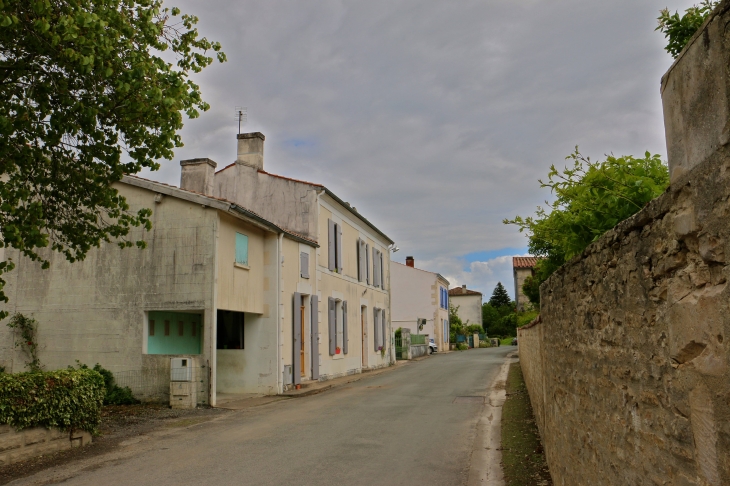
[[500, 297], [456, 327], [88, 95], [679, 30], [590, 199]]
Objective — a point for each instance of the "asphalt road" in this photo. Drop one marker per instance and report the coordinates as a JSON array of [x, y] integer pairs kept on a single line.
[[400, 427]]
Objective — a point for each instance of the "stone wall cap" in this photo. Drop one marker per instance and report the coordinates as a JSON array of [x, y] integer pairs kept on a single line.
[[242, 136], [198, 161]]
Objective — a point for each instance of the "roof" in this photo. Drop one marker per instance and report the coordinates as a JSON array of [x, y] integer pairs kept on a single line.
[[438, 275], [214, 202], [329, 193], [524, 262], [458, 291]]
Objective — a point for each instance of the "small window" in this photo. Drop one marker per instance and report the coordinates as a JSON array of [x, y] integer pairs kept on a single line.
[[304, 264], [167, 328], [195, 329], [180, 328], [152, 327], [241, 249]]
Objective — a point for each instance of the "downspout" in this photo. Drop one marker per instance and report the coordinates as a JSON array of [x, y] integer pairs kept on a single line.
[[279, 290]]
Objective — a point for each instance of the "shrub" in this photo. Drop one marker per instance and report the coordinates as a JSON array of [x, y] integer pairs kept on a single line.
[[115, 394], [66, 399], [484, 344], [462, 347]]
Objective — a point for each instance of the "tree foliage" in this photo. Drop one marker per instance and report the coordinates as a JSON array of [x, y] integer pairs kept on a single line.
[[88, 95], [500, 297], [590, 199], [679, 30]]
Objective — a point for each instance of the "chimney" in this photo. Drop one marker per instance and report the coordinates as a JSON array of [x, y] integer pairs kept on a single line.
[[463, 287], [197, 175], [251, 150], [409, 261]]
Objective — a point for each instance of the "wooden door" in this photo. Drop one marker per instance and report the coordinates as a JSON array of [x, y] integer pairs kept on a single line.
[[301, 309]]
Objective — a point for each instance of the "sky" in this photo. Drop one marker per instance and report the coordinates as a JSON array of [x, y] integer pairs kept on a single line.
[[434, 119]]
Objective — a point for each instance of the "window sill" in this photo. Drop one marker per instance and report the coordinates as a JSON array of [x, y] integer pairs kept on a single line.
[[241, 265]]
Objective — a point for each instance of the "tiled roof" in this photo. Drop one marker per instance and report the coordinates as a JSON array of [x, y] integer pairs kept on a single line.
[[462, 291], [524, 262], [252, 213]]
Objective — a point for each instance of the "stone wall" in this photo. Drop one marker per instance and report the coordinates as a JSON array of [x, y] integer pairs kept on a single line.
[[28, 443], [628, 370], [628, 367]]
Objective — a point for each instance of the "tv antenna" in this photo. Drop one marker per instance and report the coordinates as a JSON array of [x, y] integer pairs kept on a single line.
[[241, 116]]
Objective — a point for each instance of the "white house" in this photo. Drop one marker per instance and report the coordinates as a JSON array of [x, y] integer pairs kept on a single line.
[[469, 303], [420, 294]]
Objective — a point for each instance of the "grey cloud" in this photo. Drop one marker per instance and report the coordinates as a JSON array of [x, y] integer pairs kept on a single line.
[[435, 119]]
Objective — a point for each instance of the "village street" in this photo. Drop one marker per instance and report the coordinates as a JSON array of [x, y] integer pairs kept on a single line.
[[399, 427]]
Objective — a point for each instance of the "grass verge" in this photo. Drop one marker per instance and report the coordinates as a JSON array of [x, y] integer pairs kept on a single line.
[[523, 458]]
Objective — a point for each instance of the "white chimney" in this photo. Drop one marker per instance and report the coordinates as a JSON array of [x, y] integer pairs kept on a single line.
[[197, 175], [251, 150]]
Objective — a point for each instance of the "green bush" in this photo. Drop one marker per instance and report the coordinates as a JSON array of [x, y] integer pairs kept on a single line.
[[66, 399], [484, 344], [115, 394], [462, 347]]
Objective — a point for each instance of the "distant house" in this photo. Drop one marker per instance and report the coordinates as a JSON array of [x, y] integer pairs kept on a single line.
[[420, 294], [469, 303], [522, 267]]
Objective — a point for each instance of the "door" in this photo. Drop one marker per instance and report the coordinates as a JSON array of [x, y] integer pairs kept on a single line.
[[362, 332], [302, 321]]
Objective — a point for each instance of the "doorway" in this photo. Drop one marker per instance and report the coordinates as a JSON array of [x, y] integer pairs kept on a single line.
[[363, 334], [302, 321]]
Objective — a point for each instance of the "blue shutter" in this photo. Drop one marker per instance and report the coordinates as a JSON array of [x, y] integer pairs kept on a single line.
[[344, 327], [314, 320], [241, 249], [297, 344]]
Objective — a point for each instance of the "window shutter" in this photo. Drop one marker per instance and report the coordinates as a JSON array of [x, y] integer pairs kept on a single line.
[[385, 328], [376, 328], [375, 267], [297, 345], [339, 248], [331, 325], [367, 263], [344, 327], [241, 249], [314, 341], [360, 260], [304, 264], [357, 250], [331, 245], [382, 277]]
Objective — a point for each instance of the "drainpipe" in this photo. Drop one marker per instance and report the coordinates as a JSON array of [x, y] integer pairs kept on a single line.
[[279, 290]]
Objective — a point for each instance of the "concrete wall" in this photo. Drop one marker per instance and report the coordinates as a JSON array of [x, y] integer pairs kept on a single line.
[[29, 443], [520, 274], [470, 308], [94, 310], [415, 293], [628, 371]]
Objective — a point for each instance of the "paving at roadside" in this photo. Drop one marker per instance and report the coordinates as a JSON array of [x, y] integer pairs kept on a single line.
[[413, 424]]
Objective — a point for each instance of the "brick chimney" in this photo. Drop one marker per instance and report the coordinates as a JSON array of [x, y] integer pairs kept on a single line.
[[409, 261], [251, 150], [197, 175]]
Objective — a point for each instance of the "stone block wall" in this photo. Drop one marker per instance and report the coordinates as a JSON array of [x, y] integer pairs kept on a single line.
[[628, 368], [18, 446], [628, 371]]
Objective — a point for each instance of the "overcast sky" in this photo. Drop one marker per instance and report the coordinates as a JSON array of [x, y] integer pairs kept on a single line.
[[434, 119]]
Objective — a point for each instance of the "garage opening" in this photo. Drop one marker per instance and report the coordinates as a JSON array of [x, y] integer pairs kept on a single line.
[[230, 330]]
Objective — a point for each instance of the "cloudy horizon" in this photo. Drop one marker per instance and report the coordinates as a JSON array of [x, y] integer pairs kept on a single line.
[[434, 119]]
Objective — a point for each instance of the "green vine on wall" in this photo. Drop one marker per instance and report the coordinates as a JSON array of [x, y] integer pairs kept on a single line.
[[26, 339]]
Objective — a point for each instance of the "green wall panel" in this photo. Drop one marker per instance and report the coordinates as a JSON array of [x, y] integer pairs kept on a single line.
[[174, 343]]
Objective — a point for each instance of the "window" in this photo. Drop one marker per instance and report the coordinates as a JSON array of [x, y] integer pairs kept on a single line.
[[376, 267], [377, 339], [444, 298], [362, 266], [175, 341], [304, 264], [337, 320], [230, 333], [334, 246], [241, 249]]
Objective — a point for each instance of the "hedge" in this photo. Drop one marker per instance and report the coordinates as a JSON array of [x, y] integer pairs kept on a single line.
[[65, 399]]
